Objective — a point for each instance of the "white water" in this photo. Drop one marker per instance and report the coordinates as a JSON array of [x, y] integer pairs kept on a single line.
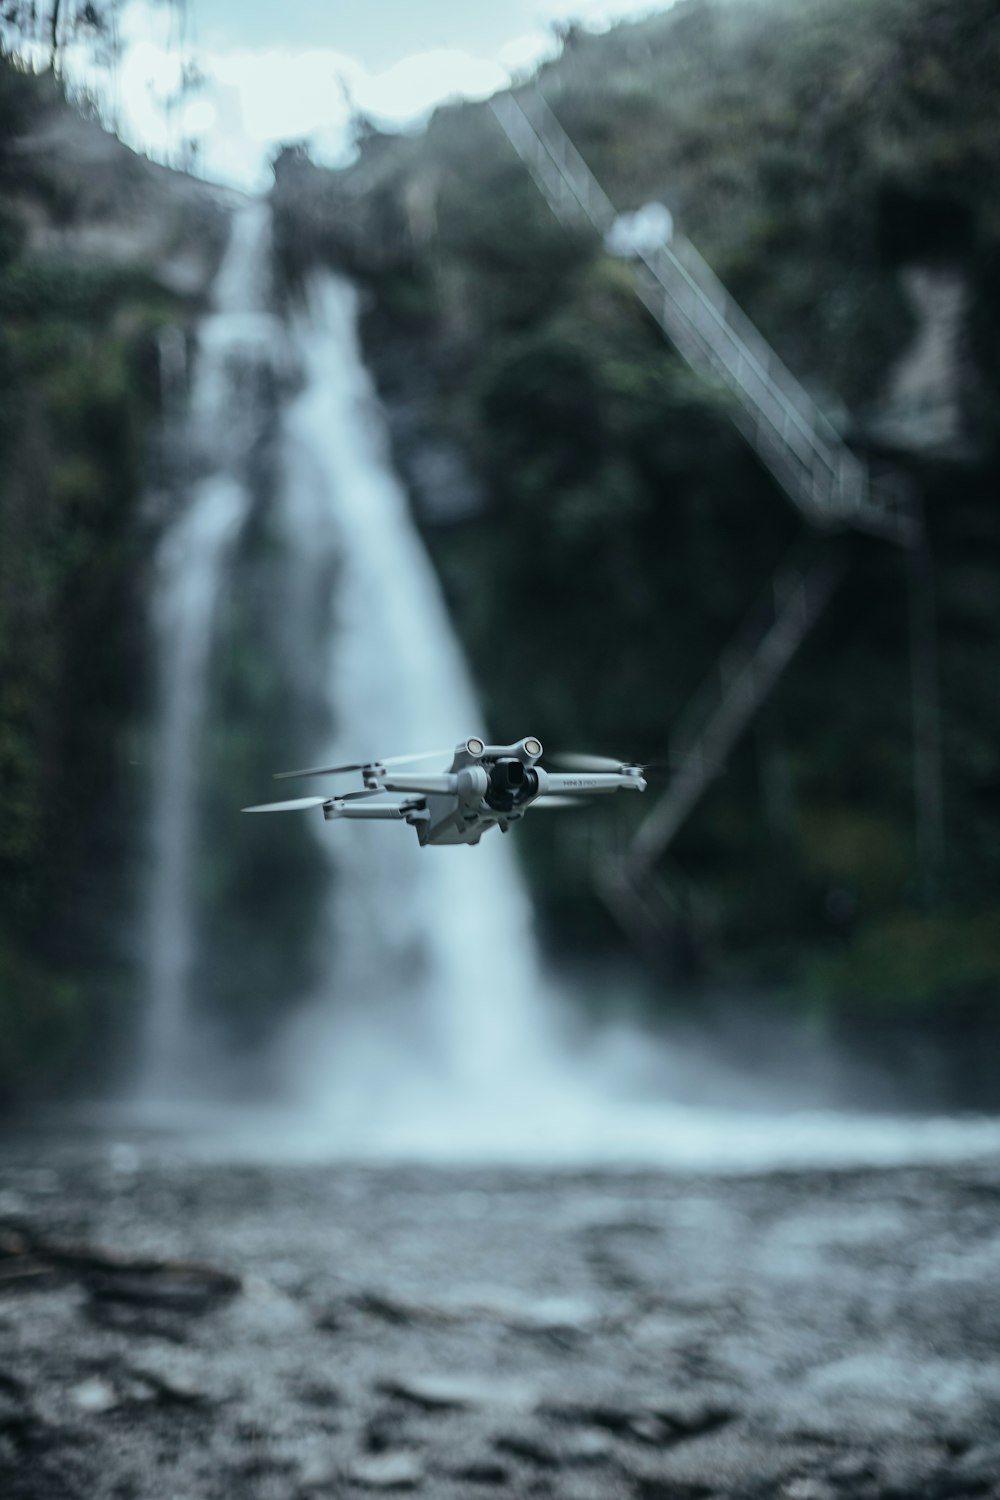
[[433, 981], [191, 567]]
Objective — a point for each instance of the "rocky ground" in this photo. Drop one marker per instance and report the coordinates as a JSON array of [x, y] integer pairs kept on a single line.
[[177, 1328]]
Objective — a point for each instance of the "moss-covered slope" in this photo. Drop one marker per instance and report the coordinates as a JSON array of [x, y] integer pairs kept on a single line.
[[98, 251]]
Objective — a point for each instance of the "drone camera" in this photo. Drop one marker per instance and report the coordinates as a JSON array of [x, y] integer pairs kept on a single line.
[[511, 773], [506, 781]]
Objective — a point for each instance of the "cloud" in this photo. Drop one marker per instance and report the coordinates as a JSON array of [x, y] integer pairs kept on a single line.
[[599, 12], [284, 94], [254, 98], [417, 83], [525, 52]]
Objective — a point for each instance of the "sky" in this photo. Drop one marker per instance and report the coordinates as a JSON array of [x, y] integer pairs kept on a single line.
[[291, 71]]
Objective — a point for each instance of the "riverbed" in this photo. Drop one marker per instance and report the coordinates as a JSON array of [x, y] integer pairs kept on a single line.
[[176, 1325]]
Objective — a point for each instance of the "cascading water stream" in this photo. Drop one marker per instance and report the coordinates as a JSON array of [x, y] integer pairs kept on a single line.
[[191, 567], [433, 972]]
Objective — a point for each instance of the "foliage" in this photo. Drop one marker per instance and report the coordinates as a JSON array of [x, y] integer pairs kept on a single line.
[[810, 150], [78, 395]]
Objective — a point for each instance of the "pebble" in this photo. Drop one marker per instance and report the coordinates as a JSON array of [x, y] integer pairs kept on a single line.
[[588, 1448], [170, 1380], [808, 1489], [388, 1471], [94, 1396]]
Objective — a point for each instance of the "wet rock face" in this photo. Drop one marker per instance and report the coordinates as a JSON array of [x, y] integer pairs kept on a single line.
[[294, 1333]]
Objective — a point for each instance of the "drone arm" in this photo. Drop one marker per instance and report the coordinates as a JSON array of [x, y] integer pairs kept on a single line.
[[402, 783], [469, 784], [558, 782], [382, 811]]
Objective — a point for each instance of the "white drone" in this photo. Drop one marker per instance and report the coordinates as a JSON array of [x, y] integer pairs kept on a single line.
[[486, 786]]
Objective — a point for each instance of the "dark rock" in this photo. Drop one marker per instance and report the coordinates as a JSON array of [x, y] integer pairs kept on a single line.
[[617, 1419], [482, 1471], [170, 1385], [382, 1432], [533, 1450], [915, 1480], [849, 1468], [318, 1393], [182, 1286], [20, 1266], [394, 1311], [436, 1392], [258, 1465], [980, 1464], [668, 1489], [660, 1425], [808, 1487], [176, 1288], [137, 1321]]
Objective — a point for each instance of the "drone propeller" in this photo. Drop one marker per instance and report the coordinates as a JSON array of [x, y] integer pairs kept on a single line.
[[299, 802], [571, 761], [401, 760], [559, 801], [360, 765]]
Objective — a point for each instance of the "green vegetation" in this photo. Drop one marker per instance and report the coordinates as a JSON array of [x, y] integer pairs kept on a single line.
[[78, 398], [811, 151]]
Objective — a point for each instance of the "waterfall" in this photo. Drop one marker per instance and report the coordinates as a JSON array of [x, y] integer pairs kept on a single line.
[[190, 571], [428, 1032], [430, 980], [433, 982]]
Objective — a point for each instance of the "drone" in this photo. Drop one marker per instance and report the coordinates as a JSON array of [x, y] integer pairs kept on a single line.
[[486, 786]]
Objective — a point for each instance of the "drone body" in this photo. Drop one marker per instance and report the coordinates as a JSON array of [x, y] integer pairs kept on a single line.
[[486, 786]]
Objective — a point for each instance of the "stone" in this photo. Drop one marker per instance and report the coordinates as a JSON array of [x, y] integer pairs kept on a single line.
[[588, 1448], [529, 1448], [94, 1396], [808, 1488], [436, 1392], [482, 1471], [170, 1381], [981, 1465], [401, 1470]]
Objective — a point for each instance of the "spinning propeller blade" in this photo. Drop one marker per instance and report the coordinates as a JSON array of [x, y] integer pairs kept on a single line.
[[294, 806], [360, 765], [559, 801], [571, 761], [401, 760]]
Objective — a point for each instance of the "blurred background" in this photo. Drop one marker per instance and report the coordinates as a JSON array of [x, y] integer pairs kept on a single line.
[[361, 389]]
